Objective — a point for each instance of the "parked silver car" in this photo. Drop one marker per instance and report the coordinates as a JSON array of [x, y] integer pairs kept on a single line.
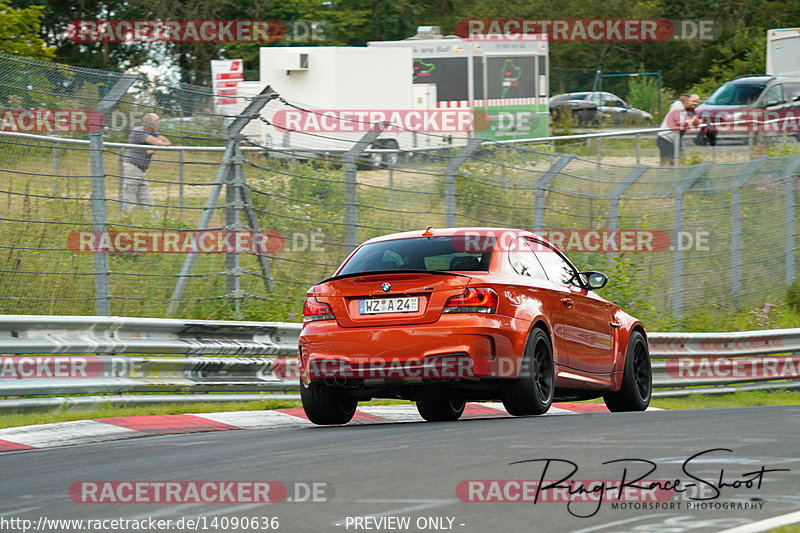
[[595, 107]]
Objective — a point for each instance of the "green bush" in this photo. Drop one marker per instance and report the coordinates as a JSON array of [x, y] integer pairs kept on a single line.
[[643, 93], [793, 297]]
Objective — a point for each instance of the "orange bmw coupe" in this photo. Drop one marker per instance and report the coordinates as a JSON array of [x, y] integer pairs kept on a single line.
[[443, 316]]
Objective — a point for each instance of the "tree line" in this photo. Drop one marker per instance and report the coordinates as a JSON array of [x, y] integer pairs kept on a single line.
[[39, 28]]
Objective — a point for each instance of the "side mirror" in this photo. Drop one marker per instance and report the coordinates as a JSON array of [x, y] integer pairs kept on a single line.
[[594, 280], [796, 98]]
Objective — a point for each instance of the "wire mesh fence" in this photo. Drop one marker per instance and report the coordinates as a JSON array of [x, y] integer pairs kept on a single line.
[[70, 243]]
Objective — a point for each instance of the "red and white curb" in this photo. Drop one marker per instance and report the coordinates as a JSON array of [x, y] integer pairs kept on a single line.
[[118, 428]]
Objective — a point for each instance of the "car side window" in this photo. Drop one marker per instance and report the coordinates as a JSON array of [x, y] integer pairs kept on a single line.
[[524, 262], [773, 94], [558, 269], [790, 90]]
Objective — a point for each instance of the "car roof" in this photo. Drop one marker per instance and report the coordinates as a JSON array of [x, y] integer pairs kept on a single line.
[[580, 93], [752, 79], [450, 232]]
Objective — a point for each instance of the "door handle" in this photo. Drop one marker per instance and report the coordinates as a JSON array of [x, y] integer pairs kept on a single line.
[[567, 301]]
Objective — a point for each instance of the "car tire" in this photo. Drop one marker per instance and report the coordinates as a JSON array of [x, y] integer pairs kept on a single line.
[[637, 379], [533, 390], [441, 409], [325, 405]]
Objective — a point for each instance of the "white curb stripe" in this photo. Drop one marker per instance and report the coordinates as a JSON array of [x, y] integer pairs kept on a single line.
[[766, 524], [66, 433], [256, 419]]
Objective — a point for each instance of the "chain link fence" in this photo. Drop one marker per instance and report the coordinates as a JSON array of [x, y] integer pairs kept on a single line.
[[714, 233]]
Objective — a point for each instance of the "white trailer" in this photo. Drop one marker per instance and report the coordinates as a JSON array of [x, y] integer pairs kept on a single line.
[[783, 51], [322, 79]]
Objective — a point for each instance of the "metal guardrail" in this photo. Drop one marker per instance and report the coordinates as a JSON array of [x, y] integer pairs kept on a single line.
[[718, 363], [683, 363]]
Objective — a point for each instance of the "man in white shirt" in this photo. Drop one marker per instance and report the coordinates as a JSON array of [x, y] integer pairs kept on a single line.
[[675, 123]]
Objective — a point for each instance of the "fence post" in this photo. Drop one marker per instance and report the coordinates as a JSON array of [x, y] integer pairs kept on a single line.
[[99, 222], [788, 217], [252, 222], [233, 223], [684, 185], [121, 160], [541, 187], [102, 298], [450, 171], [180, 184], [56, 167], [676, 149], [736, 227], [618, 190], [638, 150], [350, 158], [225, 174]]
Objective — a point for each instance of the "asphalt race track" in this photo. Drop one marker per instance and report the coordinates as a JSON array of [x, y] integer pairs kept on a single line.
[[410, 471]]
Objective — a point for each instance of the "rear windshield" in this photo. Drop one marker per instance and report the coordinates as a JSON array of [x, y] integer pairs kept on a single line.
[[434, 253], [733, 93]]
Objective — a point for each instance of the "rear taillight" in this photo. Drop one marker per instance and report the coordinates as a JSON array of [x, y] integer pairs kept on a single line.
[[474, 300], [316, 310]]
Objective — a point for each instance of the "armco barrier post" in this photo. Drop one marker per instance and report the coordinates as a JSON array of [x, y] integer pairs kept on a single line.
[[450, 172], [350, 158]]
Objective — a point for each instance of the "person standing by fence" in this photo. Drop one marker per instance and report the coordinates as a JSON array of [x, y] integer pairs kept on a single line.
[[135, 190], [678, 118]]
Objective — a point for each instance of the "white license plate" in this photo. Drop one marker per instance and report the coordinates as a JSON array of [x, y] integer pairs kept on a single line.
[[374, 306]]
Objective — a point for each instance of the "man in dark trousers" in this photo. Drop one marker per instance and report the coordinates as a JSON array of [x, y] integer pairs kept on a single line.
[[135, 190]]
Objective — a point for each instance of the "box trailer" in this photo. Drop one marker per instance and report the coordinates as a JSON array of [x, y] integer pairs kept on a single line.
[[783, 51], [319, 84], [505, 77]]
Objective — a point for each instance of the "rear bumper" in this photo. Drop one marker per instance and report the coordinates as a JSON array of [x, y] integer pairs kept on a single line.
[[456, 347]]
